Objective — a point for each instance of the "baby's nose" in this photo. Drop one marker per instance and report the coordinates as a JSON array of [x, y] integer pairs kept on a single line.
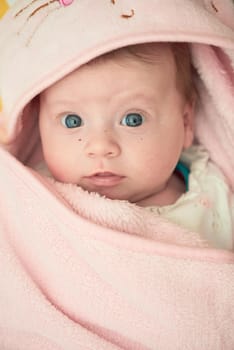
[[102, 145]]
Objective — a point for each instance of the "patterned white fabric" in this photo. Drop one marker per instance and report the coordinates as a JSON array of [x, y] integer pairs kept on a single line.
[[206, 207]]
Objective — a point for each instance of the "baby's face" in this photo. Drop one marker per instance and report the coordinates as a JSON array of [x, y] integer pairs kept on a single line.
[[116, 127]]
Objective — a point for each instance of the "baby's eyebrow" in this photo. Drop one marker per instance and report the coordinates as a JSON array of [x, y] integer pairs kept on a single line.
[[59, 103], [142, 96]]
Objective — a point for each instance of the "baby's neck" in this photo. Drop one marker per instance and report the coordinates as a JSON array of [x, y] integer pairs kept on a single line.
[[172, 191]]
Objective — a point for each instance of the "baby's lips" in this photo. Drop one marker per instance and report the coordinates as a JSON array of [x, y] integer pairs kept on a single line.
[[66, 2]]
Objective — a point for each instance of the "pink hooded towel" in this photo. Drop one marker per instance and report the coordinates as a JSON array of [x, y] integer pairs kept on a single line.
[[78, 271]]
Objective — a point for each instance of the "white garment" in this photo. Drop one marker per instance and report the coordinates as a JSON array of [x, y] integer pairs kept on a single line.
[[206, 207]]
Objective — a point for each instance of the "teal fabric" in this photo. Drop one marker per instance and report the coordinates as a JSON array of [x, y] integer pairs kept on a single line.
[[182, 169]]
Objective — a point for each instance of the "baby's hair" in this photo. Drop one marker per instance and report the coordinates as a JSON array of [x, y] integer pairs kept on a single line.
[[148, 53], [185, 69]]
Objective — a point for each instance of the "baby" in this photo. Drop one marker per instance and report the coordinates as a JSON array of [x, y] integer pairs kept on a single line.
[[116, 221], [119, 126]]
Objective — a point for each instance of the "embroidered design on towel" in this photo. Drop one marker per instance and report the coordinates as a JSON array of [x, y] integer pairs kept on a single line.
[[1, 104], [44, 9], [125, 15], [66, 2], [130, 15], [214, 7]]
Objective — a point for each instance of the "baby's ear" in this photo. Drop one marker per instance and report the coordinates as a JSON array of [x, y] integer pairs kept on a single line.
[[188, 116]]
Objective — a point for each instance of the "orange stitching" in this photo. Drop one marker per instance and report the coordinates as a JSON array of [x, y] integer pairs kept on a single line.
[[214, 7], [40, 7], [20, 11], [35, 11], [46, 4], [1, 104], [124, 15]]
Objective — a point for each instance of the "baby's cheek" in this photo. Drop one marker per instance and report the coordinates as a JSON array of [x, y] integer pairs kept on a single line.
[[58, 165], [61, 173], [161, 164]]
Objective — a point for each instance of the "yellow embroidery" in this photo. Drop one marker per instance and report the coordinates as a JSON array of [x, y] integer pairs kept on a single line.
[[3, 7], [1, 104]]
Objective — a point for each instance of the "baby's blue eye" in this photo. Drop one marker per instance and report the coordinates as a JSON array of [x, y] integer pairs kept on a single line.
[[71, 121], [132, 119]]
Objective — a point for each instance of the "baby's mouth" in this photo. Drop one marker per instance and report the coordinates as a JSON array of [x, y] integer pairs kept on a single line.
[[104, 179]]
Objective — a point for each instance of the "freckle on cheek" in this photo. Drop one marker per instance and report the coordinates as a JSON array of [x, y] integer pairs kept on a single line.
[[79, 139]]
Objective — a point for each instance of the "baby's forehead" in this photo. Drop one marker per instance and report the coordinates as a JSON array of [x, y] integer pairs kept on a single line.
[[127, 58], [146, 53]]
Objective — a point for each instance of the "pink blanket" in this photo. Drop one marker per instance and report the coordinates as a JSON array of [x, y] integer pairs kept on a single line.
[[78, 271]]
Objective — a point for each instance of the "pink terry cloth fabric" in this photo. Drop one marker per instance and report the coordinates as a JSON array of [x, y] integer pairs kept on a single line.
[[78, 271]]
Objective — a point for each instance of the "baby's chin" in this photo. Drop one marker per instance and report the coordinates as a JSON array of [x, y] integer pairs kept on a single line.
[[140, 199], [108, 193]]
